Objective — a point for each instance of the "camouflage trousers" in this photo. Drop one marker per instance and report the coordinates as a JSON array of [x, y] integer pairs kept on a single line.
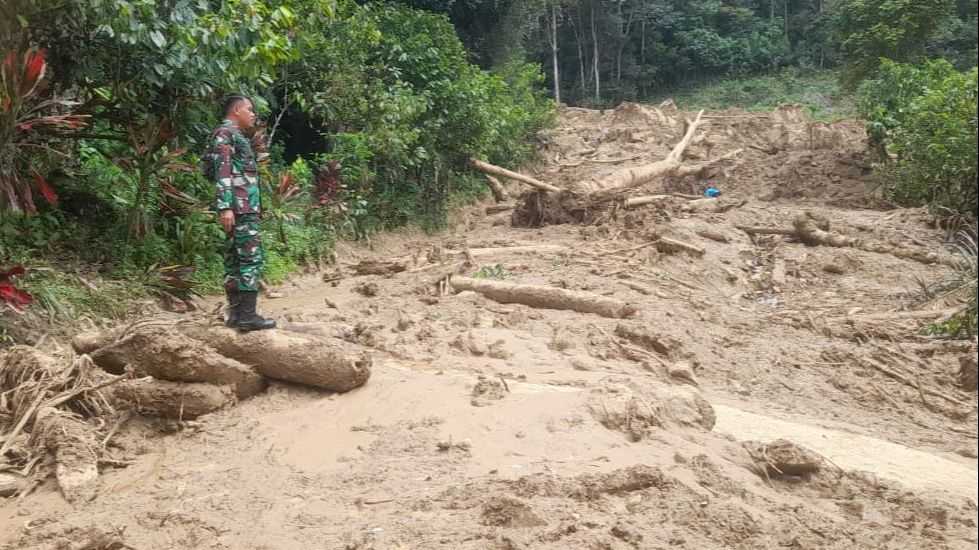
[[244, 256]]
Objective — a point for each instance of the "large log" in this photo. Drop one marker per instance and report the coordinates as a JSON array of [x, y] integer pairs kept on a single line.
[[544, 297], [327, 363], [166, 354], [171, 399], [808, 232], [640, 175]]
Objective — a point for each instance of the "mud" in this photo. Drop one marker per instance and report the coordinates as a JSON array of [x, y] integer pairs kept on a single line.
[[601, 438]]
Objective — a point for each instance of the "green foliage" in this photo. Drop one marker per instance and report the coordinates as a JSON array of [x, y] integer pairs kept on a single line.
[[924, 121], [817, 91], [966, 321], [869, 30], [391, 90], [490, 272]]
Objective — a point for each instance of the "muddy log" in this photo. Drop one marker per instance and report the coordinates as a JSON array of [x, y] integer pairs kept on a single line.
[[327, 363], [87, 342], [807, 231], [544, 297], [380, 267], [165, 354], [171, 399]]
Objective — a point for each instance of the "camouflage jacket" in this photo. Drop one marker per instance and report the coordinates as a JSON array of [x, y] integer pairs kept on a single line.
[[231, 164]]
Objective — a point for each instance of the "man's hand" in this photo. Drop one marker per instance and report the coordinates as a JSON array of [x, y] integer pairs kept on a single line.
[[227, 220]]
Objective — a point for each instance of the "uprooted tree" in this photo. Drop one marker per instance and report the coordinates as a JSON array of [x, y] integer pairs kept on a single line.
[[548, 203]]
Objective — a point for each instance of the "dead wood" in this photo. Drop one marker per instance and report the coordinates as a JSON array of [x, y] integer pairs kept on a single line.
[[714, 235], [496, 209], [172, 399], [326, 363], [667, 245], [523, 249], [499, 193], [544, 297], [808, 232], [632, 202], [47, 401], [380, 267], [87, 342], [492, 170], [640, 175], [751, 230], [166, 354]]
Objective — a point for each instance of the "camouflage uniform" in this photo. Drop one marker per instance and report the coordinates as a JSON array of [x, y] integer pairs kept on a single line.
[[235, 173]]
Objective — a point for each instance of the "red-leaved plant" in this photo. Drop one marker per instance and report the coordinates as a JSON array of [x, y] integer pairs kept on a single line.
[[15, 298], [27, 126]]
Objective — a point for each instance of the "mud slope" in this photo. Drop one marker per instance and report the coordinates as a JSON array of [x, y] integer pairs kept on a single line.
[[765, 394]]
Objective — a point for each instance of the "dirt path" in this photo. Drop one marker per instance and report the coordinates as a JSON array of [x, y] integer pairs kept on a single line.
[[501, 426]]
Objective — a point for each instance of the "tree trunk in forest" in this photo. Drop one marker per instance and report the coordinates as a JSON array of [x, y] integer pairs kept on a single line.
[[642, 43], [554, 52], [625, 41], [595, 57], [578, 37]]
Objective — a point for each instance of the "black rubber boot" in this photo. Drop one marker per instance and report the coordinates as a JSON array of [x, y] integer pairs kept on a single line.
[[234, 304], [248, 320]]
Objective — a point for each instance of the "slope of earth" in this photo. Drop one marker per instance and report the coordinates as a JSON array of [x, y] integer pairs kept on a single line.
[[503, 426]]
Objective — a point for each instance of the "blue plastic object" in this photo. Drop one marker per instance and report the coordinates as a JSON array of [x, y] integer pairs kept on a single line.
[[712, 192]]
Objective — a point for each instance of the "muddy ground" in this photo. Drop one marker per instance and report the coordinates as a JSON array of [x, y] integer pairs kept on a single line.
[[501, 426]]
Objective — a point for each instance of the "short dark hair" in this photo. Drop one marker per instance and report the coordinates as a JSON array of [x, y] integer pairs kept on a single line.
[[232, 101]]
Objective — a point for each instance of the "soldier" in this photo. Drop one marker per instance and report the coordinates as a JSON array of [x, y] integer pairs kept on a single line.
[[231, 164]]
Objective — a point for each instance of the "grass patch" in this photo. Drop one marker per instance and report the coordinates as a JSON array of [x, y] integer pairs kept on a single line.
[[64, 302], [819, 91]]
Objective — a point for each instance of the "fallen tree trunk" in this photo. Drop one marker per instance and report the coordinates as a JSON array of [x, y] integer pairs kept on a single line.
[[166, 354], [87, 342], [632, 202], [667, 245], [330, 364], [544, 297], [493, 170], [380, 267], [807, 232], [172, 399], [496, 187], [522, 249], [639, 175]]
